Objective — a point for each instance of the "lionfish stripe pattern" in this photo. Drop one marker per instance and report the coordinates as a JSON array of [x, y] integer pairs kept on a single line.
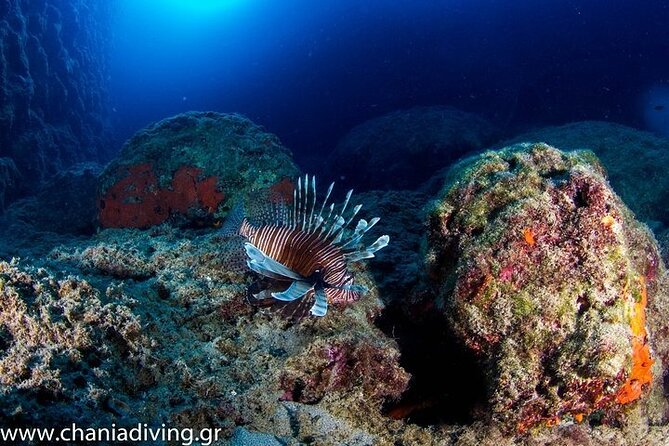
[[310, 246]]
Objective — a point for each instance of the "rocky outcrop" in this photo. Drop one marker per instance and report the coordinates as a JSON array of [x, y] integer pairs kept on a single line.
[[546, 276], [53, 105], [189, 167], [402, 149], [65, 204], [635, 161]]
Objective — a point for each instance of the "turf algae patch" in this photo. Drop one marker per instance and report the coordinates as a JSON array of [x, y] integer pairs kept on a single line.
[[546, 276]]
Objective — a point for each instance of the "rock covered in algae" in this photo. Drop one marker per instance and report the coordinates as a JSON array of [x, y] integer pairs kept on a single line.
[[156, 327], [544, 273], [189, 166], [64, 352], [635, 161], [65, 204]]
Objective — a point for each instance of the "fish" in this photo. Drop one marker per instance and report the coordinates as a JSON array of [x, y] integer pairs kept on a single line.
[[307, 247]]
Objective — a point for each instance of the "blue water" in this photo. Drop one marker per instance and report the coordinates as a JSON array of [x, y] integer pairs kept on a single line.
[[310, 70]]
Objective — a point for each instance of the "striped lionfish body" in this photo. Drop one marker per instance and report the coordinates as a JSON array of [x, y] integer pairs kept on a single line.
[[311, 247]]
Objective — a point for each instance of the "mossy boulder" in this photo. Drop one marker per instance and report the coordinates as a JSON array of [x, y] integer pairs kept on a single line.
[[193, 166], [545, 275]]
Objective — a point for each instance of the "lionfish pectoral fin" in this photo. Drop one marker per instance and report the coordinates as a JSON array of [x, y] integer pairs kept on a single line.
[[265, 265], [320, 307], [368, 252], [256, 267], [296, 290]]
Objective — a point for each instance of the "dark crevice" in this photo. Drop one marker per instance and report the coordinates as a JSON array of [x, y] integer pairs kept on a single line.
[[447, 384]]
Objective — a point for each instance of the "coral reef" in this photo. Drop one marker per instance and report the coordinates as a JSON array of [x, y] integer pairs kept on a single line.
[[635, 161], [188, 166], [53, 71], [663, 240], [136, 201], [544, 273], [64, 350], [399, 150]]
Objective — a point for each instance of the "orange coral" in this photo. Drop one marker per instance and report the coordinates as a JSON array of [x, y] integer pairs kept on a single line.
[[641, 360], [136, 201], [528, 233], [282, 192]]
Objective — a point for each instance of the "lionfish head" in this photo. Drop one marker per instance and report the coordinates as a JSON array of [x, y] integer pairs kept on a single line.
[[308, 246]]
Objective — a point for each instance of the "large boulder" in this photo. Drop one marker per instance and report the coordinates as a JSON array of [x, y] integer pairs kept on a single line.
[[401, 149], [635, 161], [396, 268], [193, 166], [545, 275]]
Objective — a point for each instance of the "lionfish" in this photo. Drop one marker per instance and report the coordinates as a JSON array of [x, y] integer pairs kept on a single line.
[[308, 246]]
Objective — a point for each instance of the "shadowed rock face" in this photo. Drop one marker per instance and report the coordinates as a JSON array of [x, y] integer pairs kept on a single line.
[[401, 149], [53, 104]]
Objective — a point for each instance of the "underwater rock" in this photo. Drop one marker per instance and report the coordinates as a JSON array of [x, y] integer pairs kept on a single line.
[[244, 437], [547, 277], [401, 149], [9, 177], [64, 352], [186, 167], [663, 240], [206, 356], [635, 161], [65, 204], [53, 72], [396, 268]]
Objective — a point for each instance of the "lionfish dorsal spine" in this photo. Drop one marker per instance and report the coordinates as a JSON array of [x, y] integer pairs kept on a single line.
[[313, 202], [327, 196], [327, 220], [346, 200]]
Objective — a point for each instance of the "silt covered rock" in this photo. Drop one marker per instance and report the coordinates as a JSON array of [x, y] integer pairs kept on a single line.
[[544, 273], [65, 204]]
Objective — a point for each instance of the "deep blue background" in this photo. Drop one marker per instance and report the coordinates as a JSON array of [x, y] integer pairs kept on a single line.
[[310, 70]]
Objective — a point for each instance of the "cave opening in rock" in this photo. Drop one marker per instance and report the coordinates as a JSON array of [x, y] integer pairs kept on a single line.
[[447, 384]]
